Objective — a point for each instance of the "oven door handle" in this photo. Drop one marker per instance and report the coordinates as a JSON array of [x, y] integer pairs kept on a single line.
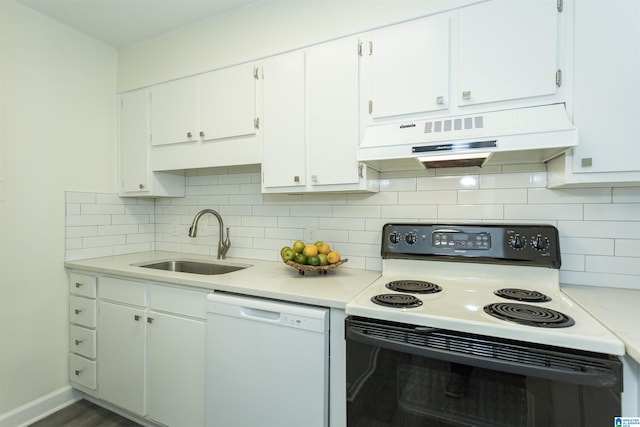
[[586, 370]]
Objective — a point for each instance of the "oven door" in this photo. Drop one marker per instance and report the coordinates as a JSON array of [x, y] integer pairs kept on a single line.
[[405, 375]]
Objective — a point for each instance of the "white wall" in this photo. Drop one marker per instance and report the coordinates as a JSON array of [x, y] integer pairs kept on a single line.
[[58, 133]]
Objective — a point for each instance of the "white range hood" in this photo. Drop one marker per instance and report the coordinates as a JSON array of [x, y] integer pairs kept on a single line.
[[516, 136]]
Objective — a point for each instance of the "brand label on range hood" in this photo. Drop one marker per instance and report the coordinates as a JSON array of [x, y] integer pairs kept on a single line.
[[454, 146]]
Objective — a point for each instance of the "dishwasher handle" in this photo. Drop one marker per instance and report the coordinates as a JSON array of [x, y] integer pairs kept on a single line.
[[258, 314]]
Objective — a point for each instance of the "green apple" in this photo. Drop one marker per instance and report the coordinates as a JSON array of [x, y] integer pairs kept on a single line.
[[288, 254], [300, 259]]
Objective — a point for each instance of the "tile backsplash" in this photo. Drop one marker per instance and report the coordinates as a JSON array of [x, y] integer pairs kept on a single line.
[[599, 227]]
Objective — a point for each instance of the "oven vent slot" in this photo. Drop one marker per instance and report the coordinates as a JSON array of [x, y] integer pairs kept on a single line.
[[516, 357]]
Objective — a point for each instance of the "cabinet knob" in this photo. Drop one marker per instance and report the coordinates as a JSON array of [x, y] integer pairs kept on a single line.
[[78, 342], [78, 372], [296, 178], [141, 186], [201, 134], [440, 100], [149, 319], [78, 284], [77, 311], [136, 317], [466, 95], [189, 135]]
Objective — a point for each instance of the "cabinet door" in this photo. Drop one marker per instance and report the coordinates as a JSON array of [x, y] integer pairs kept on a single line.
[[173, 112], [283, 127], [176, 367], [228, 102], [121, 356], [507, 50], [604, 109], [332, 72], [409, 68], [134, 141]]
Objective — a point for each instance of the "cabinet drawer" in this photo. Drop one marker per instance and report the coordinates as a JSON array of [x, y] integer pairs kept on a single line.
[[180, 301], [82, 341], [122, 290], [82, 284], [82, 371], [82, 311]]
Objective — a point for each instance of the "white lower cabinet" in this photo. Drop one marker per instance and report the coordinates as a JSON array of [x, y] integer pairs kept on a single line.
[[121, 354], [139, 346]]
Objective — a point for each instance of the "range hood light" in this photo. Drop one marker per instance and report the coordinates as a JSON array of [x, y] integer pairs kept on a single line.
[[454, 160]]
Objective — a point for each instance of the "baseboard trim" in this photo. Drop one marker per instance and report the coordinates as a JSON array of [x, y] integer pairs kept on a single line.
[[37, 409]]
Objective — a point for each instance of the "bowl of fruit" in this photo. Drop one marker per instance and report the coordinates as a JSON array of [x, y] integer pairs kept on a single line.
[[316, 256]]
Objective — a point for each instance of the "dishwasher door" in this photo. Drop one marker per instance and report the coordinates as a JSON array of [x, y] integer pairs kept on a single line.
[[267, 363]]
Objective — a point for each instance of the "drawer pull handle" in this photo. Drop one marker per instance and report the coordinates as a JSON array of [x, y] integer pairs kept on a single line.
[[149, 319], [78, 371], [78, 284], [78, 311], [78, 342], [136, 317]]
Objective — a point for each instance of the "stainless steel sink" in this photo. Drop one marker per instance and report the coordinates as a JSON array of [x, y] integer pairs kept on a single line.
[[195, 267]]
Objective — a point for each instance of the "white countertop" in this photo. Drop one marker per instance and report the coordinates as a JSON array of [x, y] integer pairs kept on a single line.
[[615, 308], [267, 279]]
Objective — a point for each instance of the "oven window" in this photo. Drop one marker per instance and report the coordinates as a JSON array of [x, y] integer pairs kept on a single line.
[[397, 387]]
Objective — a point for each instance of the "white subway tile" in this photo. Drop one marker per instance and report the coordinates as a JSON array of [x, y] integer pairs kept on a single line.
[[467, 170], [73, 243], [486, 197], [271, 210], [140, 209], [246, 199], [140, 238], [323, 199], [260, 221], [613, 265], [628, 248], [72, 209], [543, 212], [448, 183], [626, 195], [356, 211], [289, 234], [332, 237], [514, 180], [253, 188], [297, 222], [282, 199], [599, 229], [96, 209], [94, 242], [311, 210], [573, 262], [586, 246], [388, 198], [398, 184], [470, 213], [599, 279], [133, 248], [76, 254], [114, 230], [436, 197], [236, 178], [82, 231], [573, 195], [366, 237], [409, 211], [611, 212], [130, 219], [341, 223], [83, 220]]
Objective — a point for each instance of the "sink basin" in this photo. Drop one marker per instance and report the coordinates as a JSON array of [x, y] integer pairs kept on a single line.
[[195, 267]]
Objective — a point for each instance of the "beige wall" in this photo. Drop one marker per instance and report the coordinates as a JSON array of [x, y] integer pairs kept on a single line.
[[58, 133]]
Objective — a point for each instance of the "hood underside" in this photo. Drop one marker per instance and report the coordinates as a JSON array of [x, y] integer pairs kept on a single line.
[[517, 136]]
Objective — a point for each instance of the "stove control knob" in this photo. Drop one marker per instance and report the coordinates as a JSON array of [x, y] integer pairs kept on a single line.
[[394, 238], [410, 238], [517, 241], [540, 243]]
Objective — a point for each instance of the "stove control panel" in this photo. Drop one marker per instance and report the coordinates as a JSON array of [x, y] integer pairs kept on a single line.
[[509, 244]]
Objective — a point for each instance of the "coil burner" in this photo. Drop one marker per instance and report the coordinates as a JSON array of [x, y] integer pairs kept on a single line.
[[413, 286], [524, 295], [530, 315], [396, 300]]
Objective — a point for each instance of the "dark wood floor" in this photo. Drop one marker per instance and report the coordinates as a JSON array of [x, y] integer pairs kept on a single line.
[[84, 414]]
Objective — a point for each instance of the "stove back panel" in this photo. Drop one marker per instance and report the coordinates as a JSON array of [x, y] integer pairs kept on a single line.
[[516, 244]]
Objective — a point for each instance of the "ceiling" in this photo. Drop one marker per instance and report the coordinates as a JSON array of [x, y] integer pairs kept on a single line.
[[122, 23]]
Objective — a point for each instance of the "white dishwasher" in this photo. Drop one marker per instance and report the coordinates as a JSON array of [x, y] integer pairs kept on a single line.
[[267, 363]]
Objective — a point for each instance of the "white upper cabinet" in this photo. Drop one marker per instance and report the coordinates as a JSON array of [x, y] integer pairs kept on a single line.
[[507, 49], [134, 141], [310, 127], [605, 90], [135, 175], [228, 102], [283, 123], [333, 97], [173, 112], [407, 68]]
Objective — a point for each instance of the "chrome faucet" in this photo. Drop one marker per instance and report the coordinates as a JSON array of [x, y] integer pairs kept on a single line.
[[223, 244]]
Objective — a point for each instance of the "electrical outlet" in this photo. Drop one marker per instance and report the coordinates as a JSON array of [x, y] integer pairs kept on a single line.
[[310, 234]]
